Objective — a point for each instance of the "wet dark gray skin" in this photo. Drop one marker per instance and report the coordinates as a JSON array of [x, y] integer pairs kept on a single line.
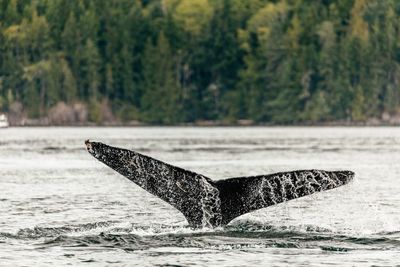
[[207, 203]]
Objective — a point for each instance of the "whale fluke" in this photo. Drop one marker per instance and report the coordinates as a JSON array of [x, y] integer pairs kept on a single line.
[[207, 203]]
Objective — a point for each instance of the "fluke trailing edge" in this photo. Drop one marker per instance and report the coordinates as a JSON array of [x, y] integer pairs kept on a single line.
[[207, 203]]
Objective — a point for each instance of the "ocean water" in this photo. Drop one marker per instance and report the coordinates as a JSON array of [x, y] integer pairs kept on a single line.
[[59, 206]]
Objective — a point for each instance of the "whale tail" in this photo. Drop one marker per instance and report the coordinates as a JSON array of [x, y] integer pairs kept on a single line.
[[207, 203]]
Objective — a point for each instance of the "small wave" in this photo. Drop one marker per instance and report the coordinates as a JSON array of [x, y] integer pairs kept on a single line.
[[128, 242], [41, 232], [336, 249], [390, 233], [252, 226], [103, 240], [56, 148]]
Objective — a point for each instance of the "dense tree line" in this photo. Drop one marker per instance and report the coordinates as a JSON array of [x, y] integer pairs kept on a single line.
[[173, 61]]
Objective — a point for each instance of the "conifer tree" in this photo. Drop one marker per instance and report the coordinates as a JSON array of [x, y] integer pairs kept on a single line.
[[161, 100], [90, 71]]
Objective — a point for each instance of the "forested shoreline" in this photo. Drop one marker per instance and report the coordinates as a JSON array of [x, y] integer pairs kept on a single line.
[[207, 62]]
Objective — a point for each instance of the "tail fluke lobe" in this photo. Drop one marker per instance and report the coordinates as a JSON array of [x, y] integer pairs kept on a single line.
[[191, 193], [245, 194]]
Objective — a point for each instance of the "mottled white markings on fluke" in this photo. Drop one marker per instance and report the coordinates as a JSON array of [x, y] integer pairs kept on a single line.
[[207, 203], [180, 187]]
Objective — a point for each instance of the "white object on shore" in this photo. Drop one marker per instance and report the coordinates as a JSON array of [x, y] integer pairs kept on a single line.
[[3, 121]]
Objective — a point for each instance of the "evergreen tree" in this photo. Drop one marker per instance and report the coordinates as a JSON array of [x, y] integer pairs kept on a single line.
[[90, 71], [11, 15], [161, 101]]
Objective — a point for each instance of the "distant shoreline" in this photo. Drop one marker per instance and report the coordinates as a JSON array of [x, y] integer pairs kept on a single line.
[[205, 124]]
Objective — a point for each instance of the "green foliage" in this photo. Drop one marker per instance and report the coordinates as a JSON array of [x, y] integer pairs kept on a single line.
[[173, 61], [193, 15], [95, 111], [161, 101], [90, 71], [357, 111]]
